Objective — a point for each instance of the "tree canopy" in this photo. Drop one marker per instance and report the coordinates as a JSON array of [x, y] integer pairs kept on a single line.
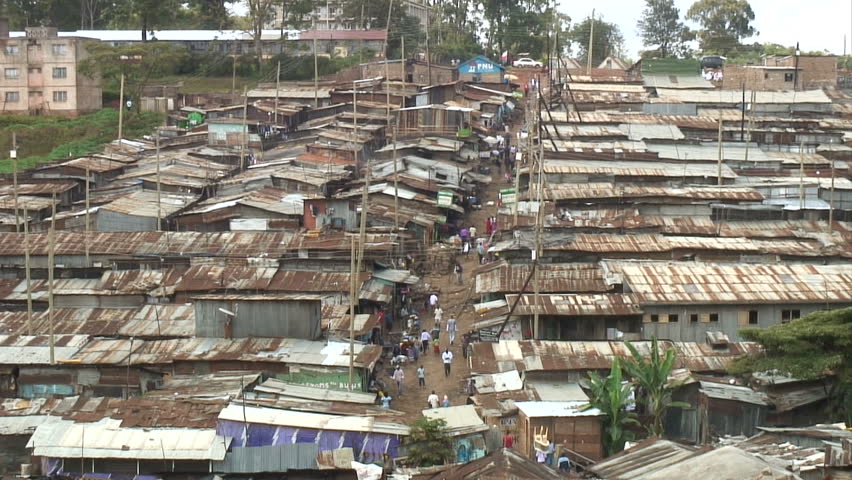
[[651, 375], [428, 443], [808, 348], [608, 40], [661, 28], [723, 24]]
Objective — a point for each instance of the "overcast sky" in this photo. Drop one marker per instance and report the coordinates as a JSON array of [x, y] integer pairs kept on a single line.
[[815, 24]]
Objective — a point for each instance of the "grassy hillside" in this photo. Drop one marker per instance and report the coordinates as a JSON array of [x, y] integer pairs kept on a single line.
[[48, 139]]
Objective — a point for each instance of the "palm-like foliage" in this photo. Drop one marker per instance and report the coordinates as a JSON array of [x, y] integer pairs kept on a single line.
[[611, 397], [652, 376]]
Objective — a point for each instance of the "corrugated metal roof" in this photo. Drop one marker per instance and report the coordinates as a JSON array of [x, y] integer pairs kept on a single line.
[[214, 386], [106, 439], [461, 419], [24, 425], [576, 305], [269, 458], [555, 391], [631, 168], [670, 95], [736, 393], [288, 418], [504, 277], [144, 204], [641, 459], [311, 281], [694, 81], [33, 350], [639, 132], [284, 389], [584, 191], [697, 283], [545, 355], [556, 409], [498, 382]]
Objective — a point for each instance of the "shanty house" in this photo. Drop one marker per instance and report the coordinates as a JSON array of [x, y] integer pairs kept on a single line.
[[465, 427], [562, 423], [481, 70], [243, 316]]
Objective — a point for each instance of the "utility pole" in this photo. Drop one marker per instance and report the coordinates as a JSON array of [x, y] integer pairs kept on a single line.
[[539, 218], [719, 162], [396, 182], [428, 57], [244, 139], [353, 275], [27, 268], [14, 156], [159, 204], [355, 123], [750, 123], [388, 122], [831, 201], [86, 239], [234, 72], [121, 107], [51, 245], [362, 240], [801, 177], [591, 44], [316, 67], [277, 88], [404, 71]]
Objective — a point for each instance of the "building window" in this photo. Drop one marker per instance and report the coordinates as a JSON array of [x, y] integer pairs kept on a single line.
[[714, 318], [13, 97], [693, 318], [788, 315], [673, 318], [788, 77], [59, 49], [752, 317], [655, 318], [12, 50], [34, 70], [60, 96], [11, 73], [60, 72]]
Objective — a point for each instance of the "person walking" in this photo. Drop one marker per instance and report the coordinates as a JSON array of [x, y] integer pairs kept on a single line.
[[472, 232], [446, 402], [439, 314], [421, 376], [399, 378], [424, 341], [465, 344], [480, 252], [458, 271], [433, 301], [451, 330], [432, 400], [386, 400], [447, 357]]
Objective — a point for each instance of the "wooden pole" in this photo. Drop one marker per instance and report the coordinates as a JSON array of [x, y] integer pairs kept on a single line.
[[591, 44], [428, 57], [316, 67], [159, 204], [355, 123], [51, 245], [244, 140], [234, 72], [395, 179], [719, 162], [14, 155], [353, 275], [27, 268], [86, 236], [831, 201], [404, 71], [539, 219], [121, 107], [277, 88], [801, 177]]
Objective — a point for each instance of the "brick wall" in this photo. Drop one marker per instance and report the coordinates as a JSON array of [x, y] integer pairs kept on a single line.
[[813, 73]]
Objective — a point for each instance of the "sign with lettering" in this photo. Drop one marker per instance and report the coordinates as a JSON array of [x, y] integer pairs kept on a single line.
[[480, 65]]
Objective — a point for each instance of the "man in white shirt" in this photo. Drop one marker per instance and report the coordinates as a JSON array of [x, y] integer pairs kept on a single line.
[[447, 357], [439, 314], [433, 301], [399, 378], [432, 400], [451, 330], [424, 341]]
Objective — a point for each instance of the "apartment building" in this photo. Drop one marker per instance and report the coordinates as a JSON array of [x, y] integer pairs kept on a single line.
[[39, 75], [329, 15]]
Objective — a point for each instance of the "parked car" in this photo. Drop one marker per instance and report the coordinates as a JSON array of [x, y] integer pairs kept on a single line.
[[527, 62]]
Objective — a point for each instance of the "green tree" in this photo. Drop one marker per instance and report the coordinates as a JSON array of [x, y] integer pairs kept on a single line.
[[608, 40], [611, 396], [723, 23], [660, 27], [428, 443], [260, 12], [813, 347], [208, 15], [651, 375], [155, 59]]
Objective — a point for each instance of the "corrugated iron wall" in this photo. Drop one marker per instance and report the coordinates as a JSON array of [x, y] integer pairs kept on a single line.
[[272, 458], [290, 319]]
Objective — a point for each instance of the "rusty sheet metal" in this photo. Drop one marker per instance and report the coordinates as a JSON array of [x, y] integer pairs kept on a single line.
[[696, 283], [335, 320], [69, 321], [129, 244], [161, 321], [203, 278], [649, 456], [612, 191], [628, 168], [261, 350], [33, 203], [610, 98], [680, 121], [576, 305], [33, 350], [503, 277], [310, 281], [553, 356], [213, 386], [341, 242], [93, 164], [131, 281], [376, 291], [38, 189], [145, 412], [144, 204]]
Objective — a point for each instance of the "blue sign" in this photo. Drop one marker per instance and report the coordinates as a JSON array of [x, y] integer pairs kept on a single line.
[[479, 65]]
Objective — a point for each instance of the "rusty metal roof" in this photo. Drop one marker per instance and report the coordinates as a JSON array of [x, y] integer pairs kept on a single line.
[[503, 277], [95, 164], [584, 191], [33, 350], [630, 168], [143, 203], [161, 320], [341, 242], [39, 189], [310, 281], [576, 305], [335, 320], [202, 278], [648, 456], [545, 355], [703, 283]]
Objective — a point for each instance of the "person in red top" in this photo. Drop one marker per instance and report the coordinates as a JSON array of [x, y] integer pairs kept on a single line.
[[508, 440]]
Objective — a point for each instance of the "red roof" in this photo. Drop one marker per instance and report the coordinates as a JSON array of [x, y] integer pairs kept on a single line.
[[344, 35]]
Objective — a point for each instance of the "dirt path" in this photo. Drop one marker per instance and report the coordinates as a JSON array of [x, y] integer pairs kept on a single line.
[[456, 300]]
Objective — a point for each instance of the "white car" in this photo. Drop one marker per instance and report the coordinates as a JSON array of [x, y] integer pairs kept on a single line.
[[526, 62]]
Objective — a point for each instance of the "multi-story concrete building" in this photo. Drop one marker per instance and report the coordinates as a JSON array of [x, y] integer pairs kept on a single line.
[[329, 15], [39, 74]]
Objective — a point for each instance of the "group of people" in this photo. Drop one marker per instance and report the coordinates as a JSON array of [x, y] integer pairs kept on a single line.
[[432, 401]]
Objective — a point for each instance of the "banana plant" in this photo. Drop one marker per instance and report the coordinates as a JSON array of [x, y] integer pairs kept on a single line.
[[611, 396]]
